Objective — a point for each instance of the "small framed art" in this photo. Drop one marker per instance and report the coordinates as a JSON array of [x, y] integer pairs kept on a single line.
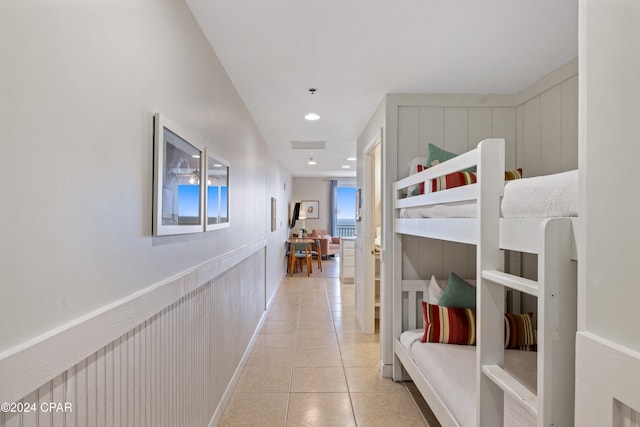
[[217, 192], [178, 205], [310, 209]]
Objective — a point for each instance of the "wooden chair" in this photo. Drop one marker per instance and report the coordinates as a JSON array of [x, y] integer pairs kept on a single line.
[[317, 253], [300, 252]]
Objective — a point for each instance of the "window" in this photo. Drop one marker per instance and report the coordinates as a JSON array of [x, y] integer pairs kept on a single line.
[[346, 211]]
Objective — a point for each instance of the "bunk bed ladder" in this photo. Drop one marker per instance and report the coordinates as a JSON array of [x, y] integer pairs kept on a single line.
[[557, 300]]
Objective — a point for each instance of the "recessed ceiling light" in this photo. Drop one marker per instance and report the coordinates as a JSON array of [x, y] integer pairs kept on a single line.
[[195, 156], [346, 167], [312, 116], [311, 162], [351, 159]]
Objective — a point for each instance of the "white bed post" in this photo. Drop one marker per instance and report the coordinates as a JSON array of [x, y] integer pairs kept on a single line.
[[490, 296], [557, 322], [396, 252]]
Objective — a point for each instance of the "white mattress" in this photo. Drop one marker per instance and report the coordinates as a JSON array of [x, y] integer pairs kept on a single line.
[[451, 210], [451, 370], [545, 196]]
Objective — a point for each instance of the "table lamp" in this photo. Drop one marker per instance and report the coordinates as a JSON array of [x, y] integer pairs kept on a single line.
[[302, 217]]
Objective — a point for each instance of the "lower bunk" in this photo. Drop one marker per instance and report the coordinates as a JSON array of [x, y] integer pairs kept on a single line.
[[445, 374], [490, 384]]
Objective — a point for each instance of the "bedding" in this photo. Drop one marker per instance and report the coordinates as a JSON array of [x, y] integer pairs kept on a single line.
[[451, 210], [542, 196], [451, 370], [538, 197]]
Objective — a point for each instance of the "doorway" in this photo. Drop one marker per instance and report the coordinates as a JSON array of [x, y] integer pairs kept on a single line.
[[369, 293]]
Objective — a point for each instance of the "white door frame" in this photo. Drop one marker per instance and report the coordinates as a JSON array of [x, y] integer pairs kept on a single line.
[[368, 226]]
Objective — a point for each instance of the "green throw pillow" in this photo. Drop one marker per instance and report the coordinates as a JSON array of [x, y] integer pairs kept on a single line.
[[436, 153], [458, 294]]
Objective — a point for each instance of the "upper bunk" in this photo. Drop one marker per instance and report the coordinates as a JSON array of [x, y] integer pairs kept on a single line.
[[515, 212]]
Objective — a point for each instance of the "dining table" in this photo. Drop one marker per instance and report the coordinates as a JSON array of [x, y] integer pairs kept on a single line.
[[292, 258]]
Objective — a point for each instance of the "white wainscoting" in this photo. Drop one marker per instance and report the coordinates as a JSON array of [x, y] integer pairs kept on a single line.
[[173, 368]]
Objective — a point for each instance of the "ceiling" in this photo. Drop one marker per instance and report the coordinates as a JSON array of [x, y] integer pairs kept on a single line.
[[356, 51]]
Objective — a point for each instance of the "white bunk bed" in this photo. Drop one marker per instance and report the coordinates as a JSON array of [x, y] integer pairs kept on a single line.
[[492, 384]]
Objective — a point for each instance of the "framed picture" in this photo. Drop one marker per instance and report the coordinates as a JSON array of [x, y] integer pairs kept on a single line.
[[273, 214], [217, 192], [178, 197], [309, 208]]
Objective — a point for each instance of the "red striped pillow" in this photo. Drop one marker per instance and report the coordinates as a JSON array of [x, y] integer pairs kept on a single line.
[[453, 325], [518, 331], [421, 185], [449, 325], [458, 179], [452, 180]]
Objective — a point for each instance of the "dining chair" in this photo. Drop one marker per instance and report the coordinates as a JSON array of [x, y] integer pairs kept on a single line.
[[317, 253], [300, 252]]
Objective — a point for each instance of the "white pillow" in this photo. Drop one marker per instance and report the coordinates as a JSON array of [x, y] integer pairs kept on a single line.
[[436, 289]]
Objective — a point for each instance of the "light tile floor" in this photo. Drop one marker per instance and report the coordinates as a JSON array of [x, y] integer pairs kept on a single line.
[[311, 366]]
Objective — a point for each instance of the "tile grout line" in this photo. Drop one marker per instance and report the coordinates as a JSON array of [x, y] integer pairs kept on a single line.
[[344, 372]]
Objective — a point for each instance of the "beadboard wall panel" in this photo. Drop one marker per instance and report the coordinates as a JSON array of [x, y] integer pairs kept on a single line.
[[547, 143], [172, 369]]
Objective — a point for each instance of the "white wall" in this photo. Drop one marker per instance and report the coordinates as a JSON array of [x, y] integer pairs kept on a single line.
[[608, 342], [80, 83], [610, 147], [279, 185], [313, 189]]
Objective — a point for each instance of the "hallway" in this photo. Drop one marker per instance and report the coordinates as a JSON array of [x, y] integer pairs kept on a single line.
[[312, 367]]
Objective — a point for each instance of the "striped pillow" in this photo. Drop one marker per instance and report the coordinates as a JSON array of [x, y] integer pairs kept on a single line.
[[458, 179], [453, 325], [513, 174], [518, 331], [449, 325]]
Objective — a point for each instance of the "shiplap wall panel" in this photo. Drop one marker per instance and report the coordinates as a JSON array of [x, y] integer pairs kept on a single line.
[[455, 260], [430, 251], [504, 126], [172, 369], [570, 124], [519, 112], [409, 132], [456, 140], [531, 134], [480, 126], [551, 131], [546, 142], [456, 129], [431, 128]]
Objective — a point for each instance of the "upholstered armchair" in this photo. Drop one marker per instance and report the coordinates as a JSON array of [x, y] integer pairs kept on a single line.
[[329, 245]]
